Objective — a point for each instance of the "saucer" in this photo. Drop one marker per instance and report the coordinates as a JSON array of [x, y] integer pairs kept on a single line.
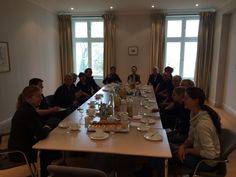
[[153, 136], [148, 120], [143, 128], [98, 136]]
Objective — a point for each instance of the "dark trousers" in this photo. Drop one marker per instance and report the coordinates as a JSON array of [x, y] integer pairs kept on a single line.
[[46, 158]]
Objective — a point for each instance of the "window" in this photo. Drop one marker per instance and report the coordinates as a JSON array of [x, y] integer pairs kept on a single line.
[[181, 44], [88, 45]]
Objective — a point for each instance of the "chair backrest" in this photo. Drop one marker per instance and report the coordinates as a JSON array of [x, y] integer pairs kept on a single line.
[[65, 171], [227, 142], [49, 100]]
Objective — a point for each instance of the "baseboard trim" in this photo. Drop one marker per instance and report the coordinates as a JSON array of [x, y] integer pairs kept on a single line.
[[5, 126], [229, 110], [214, 103]]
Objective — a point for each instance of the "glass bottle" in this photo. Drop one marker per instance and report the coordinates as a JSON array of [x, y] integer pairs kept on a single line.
[[130, 107]]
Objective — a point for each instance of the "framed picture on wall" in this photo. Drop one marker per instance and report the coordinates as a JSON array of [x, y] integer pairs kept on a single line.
[[132, 50], [4, 57]]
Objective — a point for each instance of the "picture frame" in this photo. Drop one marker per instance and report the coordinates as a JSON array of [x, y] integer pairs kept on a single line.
[[4, 57], [133, 50]]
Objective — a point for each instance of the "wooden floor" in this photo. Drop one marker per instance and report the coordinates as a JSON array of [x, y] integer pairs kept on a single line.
[[227, 121]]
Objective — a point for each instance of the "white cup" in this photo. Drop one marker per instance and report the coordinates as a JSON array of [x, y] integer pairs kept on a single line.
[[75, 126]]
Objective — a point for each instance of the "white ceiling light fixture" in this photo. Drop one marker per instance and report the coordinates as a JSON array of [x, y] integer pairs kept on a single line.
[[111, 7], [153, 6], [72, 8], [196, 4]]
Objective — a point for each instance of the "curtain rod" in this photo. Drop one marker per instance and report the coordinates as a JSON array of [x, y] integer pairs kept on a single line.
[[168, 12]]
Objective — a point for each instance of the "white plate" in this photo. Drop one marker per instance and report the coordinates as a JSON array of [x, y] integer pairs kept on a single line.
[[153, 136], [143, 128], [63, 125], [98, 136], [150, 120]]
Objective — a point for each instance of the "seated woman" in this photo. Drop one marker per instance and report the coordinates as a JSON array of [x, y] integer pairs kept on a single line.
[[203, 139], [27, 129], [43, 109], [112, 77]]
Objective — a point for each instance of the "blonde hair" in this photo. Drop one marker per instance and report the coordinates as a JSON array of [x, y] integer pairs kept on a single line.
[[187, 83], [26, 93]]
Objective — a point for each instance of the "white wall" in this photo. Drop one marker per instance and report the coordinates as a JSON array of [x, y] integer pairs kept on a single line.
[[133, 30], [229, 100], [223, 82], [32, 35]]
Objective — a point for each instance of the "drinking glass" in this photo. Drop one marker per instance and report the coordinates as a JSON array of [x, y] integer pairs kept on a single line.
[[81, 116]]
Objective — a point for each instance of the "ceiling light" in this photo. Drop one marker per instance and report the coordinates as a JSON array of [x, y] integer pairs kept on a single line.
[[153, 6], [111, 7], [72, 8], [196, 5]]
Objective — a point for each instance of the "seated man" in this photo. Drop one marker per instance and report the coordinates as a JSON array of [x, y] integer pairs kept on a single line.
[[154, 78], [83, 88], [133, 77], [90, 80], [112, 77], [164, 88], [65, 95], [176, 83], [187, 83]]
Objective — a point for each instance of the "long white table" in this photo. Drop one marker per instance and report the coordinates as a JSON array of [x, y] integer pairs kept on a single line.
[[130, 143]]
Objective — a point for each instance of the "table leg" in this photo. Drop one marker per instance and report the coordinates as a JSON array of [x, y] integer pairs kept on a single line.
[[38, 165], [166, 167]]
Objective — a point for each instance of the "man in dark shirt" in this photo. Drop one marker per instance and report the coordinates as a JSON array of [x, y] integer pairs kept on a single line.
[[83, 88], [65, 95], [90, 81], [154, 78], [164, 88], [134, 77], [112, 77]]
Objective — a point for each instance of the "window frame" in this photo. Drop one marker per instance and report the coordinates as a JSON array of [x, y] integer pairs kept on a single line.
[[183, 39], [89, 40]]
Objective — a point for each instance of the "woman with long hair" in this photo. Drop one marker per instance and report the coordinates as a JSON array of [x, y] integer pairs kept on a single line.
[[203, 138], [27, 129]]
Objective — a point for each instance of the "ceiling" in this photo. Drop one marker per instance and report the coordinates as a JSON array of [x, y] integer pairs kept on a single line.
[[127, 6]]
